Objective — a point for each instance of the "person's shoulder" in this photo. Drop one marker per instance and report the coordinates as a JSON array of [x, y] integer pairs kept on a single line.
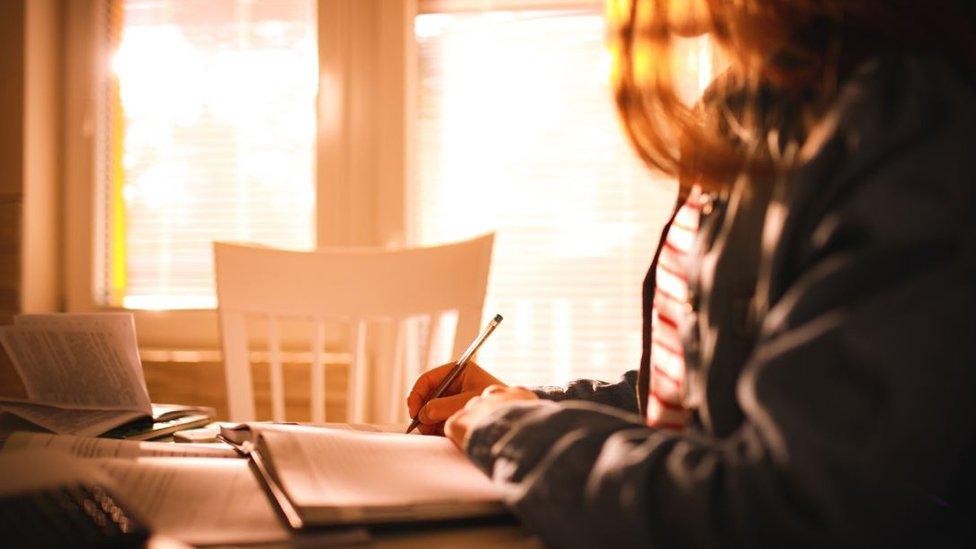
[[903, 95], [918, 109], [892, 154]]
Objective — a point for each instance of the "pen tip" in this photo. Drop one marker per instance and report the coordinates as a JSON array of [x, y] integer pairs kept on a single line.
[[498, 318]]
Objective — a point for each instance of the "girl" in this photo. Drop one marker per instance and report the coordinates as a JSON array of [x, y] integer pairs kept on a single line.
[[809, 337]]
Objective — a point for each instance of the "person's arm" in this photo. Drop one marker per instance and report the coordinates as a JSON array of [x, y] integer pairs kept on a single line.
[[858, 399], [622, 394], [473, 380]]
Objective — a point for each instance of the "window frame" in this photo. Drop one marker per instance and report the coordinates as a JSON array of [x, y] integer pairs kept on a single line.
[[352, 33], [357, 111]]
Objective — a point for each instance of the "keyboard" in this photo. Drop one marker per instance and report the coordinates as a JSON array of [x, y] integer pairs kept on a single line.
[[83, 515]]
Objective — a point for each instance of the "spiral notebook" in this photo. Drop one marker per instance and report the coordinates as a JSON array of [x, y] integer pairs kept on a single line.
[[331, 477]]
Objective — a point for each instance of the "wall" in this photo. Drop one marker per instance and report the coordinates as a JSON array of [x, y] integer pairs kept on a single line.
[[12, 46], [40, 262], [201, 383], [30, 106]]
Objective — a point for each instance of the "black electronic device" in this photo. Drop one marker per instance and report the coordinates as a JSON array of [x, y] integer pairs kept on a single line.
[[80, 515]]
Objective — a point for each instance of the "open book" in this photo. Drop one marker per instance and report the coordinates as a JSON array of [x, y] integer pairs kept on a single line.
[[333, 477], [86, 447], [83, 376]]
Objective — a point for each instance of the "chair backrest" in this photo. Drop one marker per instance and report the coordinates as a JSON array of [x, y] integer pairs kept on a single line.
[[357, 286]]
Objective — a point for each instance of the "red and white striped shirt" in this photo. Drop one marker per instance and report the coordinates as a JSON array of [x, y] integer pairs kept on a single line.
[[668, 380]]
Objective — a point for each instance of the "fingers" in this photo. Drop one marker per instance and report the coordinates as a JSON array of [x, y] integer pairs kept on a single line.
[[458, 427], [414, 402], [455, 430], [523, 392], [435, 429], [439, 409], [494, 388], [473, 402], [424, 385], [429, 381]]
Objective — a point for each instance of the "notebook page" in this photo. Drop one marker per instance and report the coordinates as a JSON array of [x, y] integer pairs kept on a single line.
[[339, 468], [85, 447]]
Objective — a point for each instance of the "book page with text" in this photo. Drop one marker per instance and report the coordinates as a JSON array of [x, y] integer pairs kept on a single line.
[[42, 470], [86, 447], [81, 422], [197, 501], [122, 324], [78, 366], [206, 501]]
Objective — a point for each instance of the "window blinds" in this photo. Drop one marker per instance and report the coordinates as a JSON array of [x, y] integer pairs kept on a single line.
[[518, 134], [217, 103]]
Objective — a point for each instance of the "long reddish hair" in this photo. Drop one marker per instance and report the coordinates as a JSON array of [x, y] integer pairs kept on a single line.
[[798, 51]]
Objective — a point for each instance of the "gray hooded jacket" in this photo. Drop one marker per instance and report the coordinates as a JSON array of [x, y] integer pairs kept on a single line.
[[834, 359]]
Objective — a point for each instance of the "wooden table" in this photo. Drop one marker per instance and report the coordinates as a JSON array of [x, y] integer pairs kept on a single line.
[[501, 532]]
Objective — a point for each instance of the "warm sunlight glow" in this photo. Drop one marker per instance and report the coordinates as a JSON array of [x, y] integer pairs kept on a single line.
[[518, 135], [218, 103], [693, 61]]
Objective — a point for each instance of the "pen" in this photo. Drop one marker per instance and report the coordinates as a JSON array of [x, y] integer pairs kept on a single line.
[[458, 367]]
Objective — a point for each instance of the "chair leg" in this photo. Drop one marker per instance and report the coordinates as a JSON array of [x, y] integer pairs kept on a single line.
[[318, 373]]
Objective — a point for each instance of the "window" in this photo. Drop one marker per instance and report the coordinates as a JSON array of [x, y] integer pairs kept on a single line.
[[517, 133], [210, 136], [473, 116]]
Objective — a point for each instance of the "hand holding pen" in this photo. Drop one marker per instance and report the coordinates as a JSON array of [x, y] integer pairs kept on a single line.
[[444, 390]]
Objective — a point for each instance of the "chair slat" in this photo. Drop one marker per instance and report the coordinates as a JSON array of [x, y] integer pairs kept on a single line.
[[274, 370], [431, 357], [356, 400], [412, 357], [395, 376], [341, 284], [318, 372], [240, 391]]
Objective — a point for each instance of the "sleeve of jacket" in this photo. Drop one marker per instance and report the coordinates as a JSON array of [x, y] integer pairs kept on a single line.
[[857, 400], [622, 395]]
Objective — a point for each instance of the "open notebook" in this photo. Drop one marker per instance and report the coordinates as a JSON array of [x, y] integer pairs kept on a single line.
[[333, 477], [83, 376]]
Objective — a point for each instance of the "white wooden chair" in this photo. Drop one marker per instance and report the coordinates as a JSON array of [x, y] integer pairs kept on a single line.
[[354, 286]]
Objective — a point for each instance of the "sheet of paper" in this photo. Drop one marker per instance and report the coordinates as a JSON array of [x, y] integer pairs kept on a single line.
[[204, 501], [240, 432], [197, 501], [340, 468], [81, 422], [85, 447], [371, 427], [78, 362], [123, 324], [40, 469]]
